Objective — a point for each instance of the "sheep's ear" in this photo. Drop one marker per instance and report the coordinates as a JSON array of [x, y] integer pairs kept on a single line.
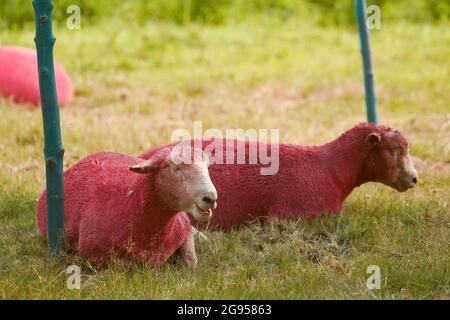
[[145, 167], [373, 139]]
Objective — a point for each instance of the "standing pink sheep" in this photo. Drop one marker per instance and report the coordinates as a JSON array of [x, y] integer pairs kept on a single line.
[[116, 205], [310, 181]]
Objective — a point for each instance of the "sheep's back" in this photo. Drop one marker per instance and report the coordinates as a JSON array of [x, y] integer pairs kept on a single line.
[[19, 77], [91, 189]]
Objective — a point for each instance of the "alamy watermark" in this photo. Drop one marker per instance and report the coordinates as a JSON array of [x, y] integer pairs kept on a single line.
[[74, 279], [74, 19], [236, 146], [373, 17], [374, 280]]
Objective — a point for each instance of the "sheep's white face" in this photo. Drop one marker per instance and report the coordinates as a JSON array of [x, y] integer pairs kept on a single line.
[[197, 194], [183, 184], [394, 161], [404, 174]]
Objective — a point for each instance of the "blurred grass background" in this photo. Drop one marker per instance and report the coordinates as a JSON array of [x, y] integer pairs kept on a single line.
[[216, 12]]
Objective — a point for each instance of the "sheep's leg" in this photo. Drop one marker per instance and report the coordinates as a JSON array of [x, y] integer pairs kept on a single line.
[[91, 253], [187, 251], [270, 219], [274, 214], [200, 235], [90, 246]]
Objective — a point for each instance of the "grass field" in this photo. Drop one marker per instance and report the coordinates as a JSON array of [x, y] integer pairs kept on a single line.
[[137, 83]]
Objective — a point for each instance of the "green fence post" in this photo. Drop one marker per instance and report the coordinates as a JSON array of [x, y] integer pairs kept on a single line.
[[53, 148], [369, 82]]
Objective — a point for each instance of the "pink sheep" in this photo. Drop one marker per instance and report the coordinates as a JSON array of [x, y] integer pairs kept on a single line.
[[126, 207], [19, 77], [310, 181]]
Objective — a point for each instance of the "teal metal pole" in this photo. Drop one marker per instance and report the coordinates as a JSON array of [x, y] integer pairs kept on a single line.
[[369, 82], [53, 148]]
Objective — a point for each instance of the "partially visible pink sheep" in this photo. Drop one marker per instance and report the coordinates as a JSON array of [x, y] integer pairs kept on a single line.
[[310, 181], [19, 77], [116, 205]]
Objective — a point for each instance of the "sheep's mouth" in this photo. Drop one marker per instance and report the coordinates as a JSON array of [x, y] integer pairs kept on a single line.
[[403, 186], [201, 214]]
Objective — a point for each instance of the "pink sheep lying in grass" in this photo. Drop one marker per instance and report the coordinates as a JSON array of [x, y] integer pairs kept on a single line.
[[310, 181], [121, 206], [19, 77]]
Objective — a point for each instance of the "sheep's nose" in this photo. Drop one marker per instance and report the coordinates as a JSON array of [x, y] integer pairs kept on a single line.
[[414, 180], [210, 200]]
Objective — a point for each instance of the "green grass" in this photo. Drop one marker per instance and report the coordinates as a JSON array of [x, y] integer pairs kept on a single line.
[[18, 13], [136, 84]]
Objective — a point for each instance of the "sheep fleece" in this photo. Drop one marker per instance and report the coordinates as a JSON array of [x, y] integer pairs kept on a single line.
[[107, 212], [19, 77], [310, 182]]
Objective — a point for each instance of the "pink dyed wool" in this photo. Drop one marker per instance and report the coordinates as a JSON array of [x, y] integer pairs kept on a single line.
[[124, 207], [19, 77], [310, 181]]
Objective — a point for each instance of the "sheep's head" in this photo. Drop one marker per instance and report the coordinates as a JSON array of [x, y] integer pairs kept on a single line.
[[389, 159], [180, 174]]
